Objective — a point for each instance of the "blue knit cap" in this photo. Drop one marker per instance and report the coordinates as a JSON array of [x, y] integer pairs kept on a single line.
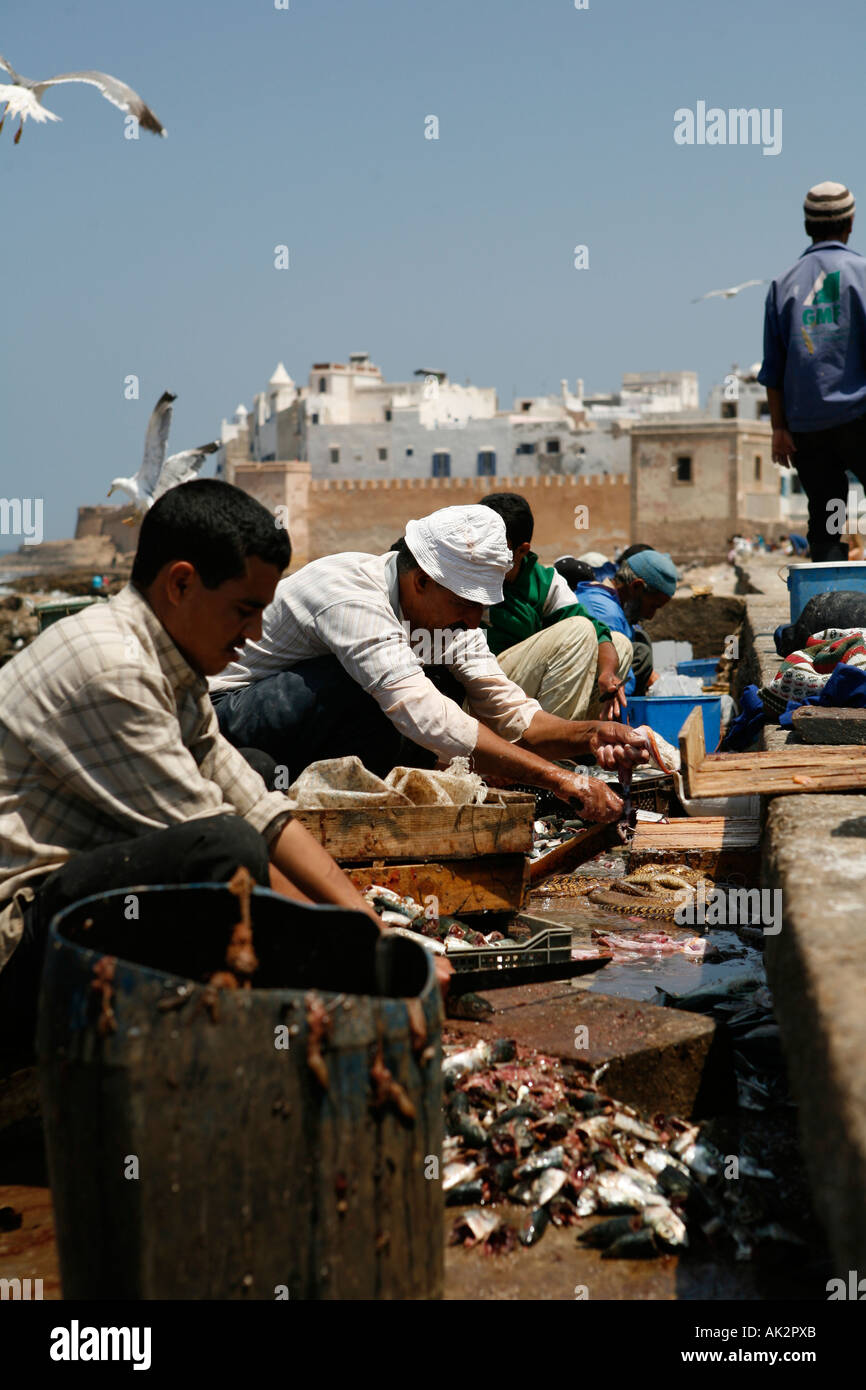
[[658, 571]]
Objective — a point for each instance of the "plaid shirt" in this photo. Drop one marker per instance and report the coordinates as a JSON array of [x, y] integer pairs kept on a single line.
[[106, 733]]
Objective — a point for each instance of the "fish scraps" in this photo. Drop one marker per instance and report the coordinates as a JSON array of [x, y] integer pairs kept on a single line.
[[526, 1129]]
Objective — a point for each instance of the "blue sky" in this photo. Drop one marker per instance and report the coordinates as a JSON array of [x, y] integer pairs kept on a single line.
[[306, 127]]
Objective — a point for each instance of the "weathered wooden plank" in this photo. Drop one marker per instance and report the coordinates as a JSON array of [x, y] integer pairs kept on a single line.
[[494, 883], [719, 846], [692, 748], [425, 832], [789, 770], [828, 725]]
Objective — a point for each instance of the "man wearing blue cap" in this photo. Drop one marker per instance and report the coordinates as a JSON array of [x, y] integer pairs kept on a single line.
[[645, 581]]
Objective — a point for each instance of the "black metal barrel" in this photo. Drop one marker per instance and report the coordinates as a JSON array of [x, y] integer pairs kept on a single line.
[[271, 1142]]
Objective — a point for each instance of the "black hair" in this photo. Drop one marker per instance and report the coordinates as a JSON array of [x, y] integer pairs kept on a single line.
[[212, 525], [515, 512], [632, 550], [574, 571], [405, 559], [822, 230]]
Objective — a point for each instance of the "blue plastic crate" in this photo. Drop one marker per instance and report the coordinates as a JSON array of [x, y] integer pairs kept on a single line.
[[666, 715]]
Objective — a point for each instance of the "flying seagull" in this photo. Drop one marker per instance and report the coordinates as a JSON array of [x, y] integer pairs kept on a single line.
[[157, 473], [728, 294], [24, 97]]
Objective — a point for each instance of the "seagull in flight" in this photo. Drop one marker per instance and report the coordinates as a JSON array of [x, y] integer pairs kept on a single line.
[[728, 294], [157, 473], [24, 97]]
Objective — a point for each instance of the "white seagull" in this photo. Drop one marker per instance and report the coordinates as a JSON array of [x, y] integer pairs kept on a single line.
[[24, 97], [157, 473], [728, 294]]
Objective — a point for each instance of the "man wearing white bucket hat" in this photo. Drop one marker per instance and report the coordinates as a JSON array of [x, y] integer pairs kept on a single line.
[[340, 669], [814, 366]]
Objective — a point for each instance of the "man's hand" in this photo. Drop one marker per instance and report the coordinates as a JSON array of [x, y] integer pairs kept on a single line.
[[594, 798], [611, 696], [618, 746], [783, 448], [444, 971]]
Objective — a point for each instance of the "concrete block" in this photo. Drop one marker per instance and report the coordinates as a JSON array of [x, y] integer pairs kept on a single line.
[[815, 853], [658, 1059]]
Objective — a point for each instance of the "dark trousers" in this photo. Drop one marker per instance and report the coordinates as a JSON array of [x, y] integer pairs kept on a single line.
[[821, 458], [642, 661], [200, 851], [314, 711]]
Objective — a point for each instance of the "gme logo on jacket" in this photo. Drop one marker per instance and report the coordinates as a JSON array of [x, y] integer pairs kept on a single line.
[[821, 305]]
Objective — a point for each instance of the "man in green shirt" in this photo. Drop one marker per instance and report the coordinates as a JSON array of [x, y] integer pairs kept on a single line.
[[544, 640]]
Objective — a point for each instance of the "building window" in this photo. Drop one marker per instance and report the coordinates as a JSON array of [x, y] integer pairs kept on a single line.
[[410, 453], [323, 384], [729, 410], [441, 465], [486, 466], [383, 455], [335, 455], [387, 415], [525, 449], [314, 419], [796, 486], [763, 410], [526, 406], [684, 469], [757, 468], [552, 446]]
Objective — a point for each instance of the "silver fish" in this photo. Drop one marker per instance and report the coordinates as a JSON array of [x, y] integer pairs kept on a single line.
[[482, 1224], [629, 1124], [658, 1159], [547, 1185], [453, 1174], [667, 1225], [464, 1063], [587, 1202], [536, 1163], [702, 1159], [631, 1191]]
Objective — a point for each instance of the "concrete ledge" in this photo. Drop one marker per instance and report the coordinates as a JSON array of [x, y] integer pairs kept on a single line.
[[815, 853]]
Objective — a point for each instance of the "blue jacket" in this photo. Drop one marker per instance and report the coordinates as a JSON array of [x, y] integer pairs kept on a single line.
[[815, 337], [603, 603]]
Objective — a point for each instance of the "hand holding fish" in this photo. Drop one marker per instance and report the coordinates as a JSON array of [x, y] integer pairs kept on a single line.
[[616, 746]]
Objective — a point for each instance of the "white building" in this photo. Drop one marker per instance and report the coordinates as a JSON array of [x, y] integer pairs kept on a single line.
[[348, 422], [740, 396]]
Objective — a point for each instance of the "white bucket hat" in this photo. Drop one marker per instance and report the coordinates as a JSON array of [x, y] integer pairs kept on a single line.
[[464, 549]]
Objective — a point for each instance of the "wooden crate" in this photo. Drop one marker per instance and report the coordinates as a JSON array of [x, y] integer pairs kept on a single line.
[[413, 833], [718, 846], [493, 883]]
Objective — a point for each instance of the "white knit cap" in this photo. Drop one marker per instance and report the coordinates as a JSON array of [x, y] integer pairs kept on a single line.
[[594, 559], [463, 549]]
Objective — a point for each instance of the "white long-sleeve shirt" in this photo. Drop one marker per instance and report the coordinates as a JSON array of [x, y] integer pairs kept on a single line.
[[349, 606]]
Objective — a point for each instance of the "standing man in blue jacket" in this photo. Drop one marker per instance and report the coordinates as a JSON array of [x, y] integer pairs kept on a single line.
[[814, 365]]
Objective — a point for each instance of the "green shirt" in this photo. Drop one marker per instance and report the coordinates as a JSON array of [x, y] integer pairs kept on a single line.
[[529, 607]]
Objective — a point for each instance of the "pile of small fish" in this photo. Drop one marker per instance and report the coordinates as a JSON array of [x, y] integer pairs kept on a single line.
[[405, 913], [527, 1129], [551, 832]]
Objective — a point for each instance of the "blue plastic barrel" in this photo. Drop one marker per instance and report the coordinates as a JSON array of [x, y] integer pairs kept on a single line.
[[666, 715], [805, 581], [705, 667]]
